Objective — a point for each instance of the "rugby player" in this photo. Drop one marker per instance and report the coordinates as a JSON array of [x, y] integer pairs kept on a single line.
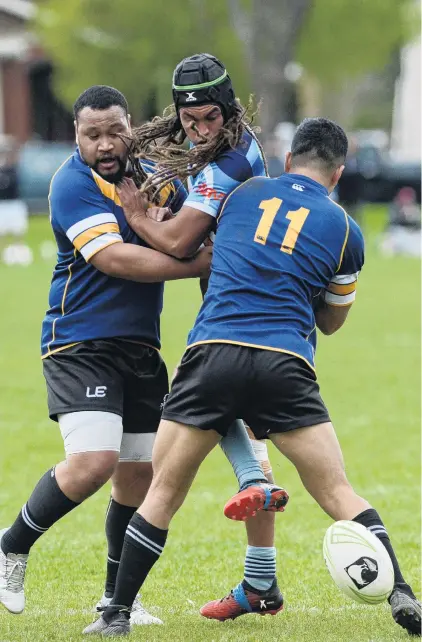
[[286, 259], [105, 377], [224, 153]]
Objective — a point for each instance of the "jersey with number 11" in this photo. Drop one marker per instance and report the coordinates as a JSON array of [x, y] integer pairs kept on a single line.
[[279, 243]]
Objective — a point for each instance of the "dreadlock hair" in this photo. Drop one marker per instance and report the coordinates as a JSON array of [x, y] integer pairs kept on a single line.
[[161, 140]]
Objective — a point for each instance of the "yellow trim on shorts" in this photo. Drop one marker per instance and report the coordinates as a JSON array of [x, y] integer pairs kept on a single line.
[[252, 345]]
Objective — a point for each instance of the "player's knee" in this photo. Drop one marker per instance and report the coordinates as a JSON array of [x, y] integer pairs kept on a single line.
[[90, 471], [131, 481]]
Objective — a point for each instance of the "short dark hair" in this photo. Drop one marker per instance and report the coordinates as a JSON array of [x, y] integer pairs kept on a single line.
[[100, 97], [319, 141]]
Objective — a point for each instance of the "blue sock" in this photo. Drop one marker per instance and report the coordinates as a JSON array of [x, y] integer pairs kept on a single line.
[[260, 566], [236, 445]]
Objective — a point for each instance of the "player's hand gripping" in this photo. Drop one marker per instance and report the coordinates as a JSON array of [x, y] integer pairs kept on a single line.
[[203, 260], [135, 203]]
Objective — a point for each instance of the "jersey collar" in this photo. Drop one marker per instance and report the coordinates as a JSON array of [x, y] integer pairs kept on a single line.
[[299, 179]]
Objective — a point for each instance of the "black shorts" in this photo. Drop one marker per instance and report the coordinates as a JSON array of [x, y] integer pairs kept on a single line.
[[271, 391], [109, 375]]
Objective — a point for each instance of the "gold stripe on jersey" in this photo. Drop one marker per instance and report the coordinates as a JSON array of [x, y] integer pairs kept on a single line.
[[93, 232], [53, 338], [93, 247], [166, 193], [68, 281], [339, 289], [52, 178], [107, 189], [50, 352], [346, 236]]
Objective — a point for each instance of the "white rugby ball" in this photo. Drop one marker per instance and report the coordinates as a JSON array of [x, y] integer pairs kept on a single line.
[[358, 562]]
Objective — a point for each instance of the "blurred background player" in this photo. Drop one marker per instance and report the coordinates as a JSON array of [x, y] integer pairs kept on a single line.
[[403, 233], [223, 153], [13, 209], [280, 242], [100, 343]]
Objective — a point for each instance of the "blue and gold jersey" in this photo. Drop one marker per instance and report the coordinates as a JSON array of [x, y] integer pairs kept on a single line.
[[86, 216], [280, 243]]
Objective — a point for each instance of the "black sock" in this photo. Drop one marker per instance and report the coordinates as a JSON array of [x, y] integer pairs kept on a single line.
[[142, 547], [46, 506], [372, 521], [117, 520]]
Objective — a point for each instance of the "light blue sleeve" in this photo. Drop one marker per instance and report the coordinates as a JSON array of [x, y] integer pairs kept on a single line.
[[209, 188]]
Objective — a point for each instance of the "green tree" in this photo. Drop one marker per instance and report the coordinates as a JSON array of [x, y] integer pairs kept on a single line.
[[343, 39], [333, 40], [134, 45]]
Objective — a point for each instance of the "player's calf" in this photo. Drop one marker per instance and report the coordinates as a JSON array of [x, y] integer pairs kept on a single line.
[[58, 492], [317, 456]]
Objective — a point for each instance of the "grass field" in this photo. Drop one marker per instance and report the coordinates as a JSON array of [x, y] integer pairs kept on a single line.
[[370, 378]]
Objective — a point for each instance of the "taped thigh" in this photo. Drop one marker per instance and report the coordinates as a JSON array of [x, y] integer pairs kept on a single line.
[[137, 446], [90, 431]]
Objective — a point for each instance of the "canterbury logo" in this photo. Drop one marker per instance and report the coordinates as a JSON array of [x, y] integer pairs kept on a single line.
[[190, 97]]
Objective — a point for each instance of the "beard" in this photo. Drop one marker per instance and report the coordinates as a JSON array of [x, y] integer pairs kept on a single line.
[[114, 177]]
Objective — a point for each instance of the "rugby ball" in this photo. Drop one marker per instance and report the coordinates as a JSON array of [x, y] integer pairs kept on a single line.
[[358, 562]]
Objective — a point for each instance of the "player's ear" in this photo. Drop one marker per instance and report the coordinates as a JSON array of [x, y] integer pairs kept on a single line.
[[75, 122], [288, 162], [337, 174], [129, 120]]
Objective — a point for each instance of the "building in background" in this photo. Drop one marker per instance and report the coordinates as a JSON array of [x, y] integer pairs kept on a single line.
[[28, 108], [406, 131]]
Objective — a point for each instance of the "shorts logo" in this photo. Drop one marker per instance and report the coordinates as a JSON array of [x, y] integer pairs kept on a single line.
[[363, 572], [163, 403], [99, 391], [190, 98]]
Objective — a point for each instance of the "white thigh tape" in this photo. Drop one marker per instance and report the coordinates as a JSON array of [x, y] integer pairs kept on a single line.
[[137, 446], [90, 431]]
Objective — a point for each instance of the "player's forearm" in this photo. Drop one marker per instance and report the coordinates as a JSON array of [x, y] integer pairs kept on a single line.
[[146, 265], [167, 236], [329, 318]]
